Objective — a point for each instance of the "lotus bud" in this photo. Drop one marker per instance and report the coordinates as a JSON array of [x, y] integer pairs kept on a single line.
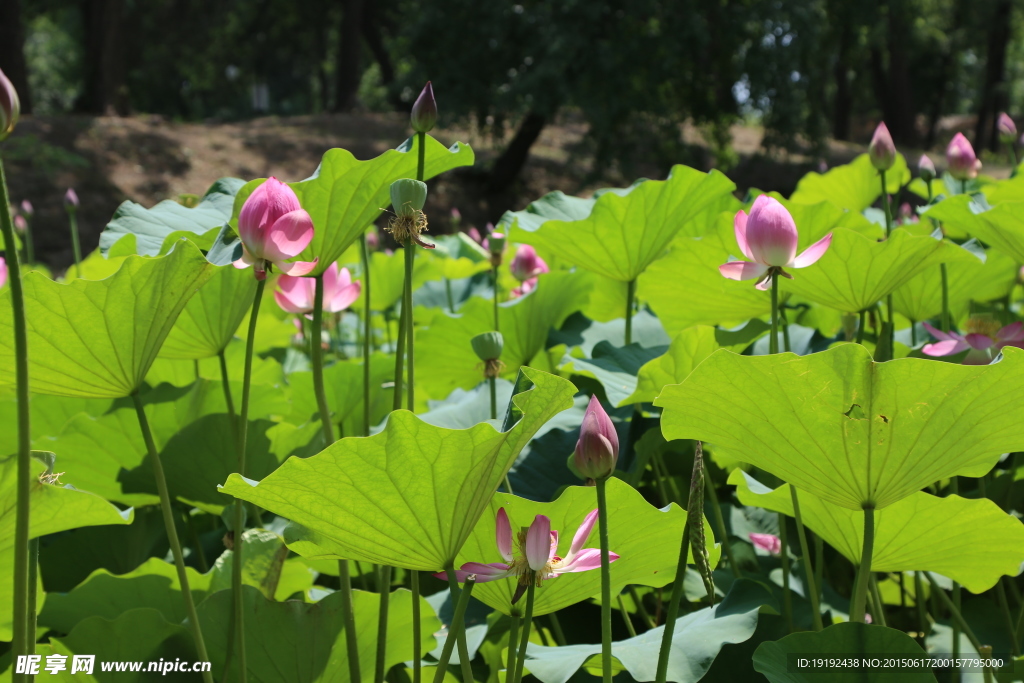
[[372, 240], [408, 197], [488, 347], [424, 110], [456, 220], [882, 151], [10, 107], [20, 224], [26, 208], [925, 168], [597, 451], [1007, 129], [960, 157], [71, 199]]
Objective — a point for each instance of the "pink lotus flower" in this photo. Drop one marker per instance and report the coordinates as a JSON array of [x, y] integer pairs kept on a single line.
[[597, 450], [960, 157], [3, 271], [535, 555], [882, 150], [273, 228], [527, 264], [296, 294], [984, 338], [524, 288], [20, 224], [768, 237], [1007, 128], [767, 542]]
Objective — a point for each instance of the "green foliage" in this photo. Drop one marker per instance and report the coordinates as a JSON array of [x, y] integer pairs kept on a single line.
[[854, 186]]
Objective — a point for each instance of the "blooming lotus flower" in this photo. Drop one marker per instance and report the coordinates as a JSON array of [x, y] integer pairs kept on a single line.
[[960, 157], [1007, 128], [768, 237], [273, 228], [984, 338], [926, 168], [535, 555], [767, 542], [882, 150], [3, 271], [296, 294], [597, 450], [10, 106], [527, 264], [71, 199]]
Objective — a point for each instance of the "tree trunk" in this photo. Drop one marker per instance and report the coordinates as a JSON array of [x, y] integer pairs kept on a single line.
[[507, 167], [105, 90], [12, 51], [349, 73], [994, 96]]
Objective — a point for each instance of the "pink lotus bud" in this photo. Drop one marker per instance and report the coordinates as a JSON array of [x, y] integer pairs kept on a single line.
[[526, 263], [960, 157], [20, 224], [372, 239], [1007, 128], [10, 106], [925, 168], [71, 199], [597, 451], [882, 151], [456, 217], [273, 228], [3, 271], [26, 208], [767, 542], [424, 110], [771, 232]]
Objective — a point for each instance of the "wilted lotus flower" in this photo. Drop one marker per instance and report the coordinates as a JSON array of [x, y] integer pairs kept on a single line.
[[1007, 129], [10, 106], [768, 237], [424, 110], [882, 151], [273, 228], [20, 224], [767, 542], [960, 157], [984, 338], [535, 555], [926, 168], [71, 199], [26, 208], [597, 450], [296, 294], [3, 271], [526, 264]]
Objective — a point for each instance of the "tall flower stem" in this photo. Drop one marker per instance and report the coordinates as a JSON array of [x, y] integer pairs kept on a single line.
[[172, 533], [773, 341], [673, 606], [384, 590], [349, 620], [524, 638], [888, 231], [75, 245], [513, 634], [809, 582], [630, 295], [417, 627], [228, 400], [30, 250], [400, 357], [860, 587], [922, 608], [494, 278], [606, 584], [945, 279], [492, 382], [1004, 607], [410, 337], [367, 333], [448, 295], [460, 637], [876, 599], [787, 595], [456, 633], [316, 351], [23, 616]]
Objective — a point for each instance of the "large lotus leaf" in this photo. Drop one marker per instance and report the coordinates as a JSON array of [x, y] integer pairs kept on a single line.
[[623, 234], [615, 367], [645, 538], [410, 495], [387, 278], [1000, 226], [688, 349], [343, 382], [54, 507], [445, 358], [697, 640], [847, 429], [971, 541], [182, 373], [212, 316], [296, 642], [856, 272], [583, 335], [557, 206], [344, 195], [459, 256], [266, 567], [98, 338], [854, 186], [773, 658], [921, 297]]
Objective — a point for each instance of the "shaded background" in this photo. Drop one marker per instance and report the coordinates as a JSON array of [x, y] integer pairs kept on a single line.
[[149, 99]]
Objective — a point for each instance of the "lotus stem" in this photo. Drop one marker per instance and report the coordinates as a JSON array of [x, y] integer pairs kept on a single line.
[[773, 341], [384, 590], [606, 586], [460, 636], [172, 536], [410, 337], [644, 614], [556, 629], [494, 278], [945, 297], [228, 400], [958, 617], [672, 612], [417, 627], [811, 587], [456, 632], [76, 248], [860, 588], [630, 295], [625, 615], [524, 638], [513, 634], [448, 295], [367, 332], [888, 299], [400, 357], [1004, 607], [876, 600], [317, 356], [349, 620], [787, 595], [922, 609]]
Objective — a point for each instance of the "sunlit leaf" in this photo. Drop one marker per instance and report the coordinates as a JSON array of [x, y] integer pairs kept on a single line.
[[853, 186], [212, 316], [1000, 226]]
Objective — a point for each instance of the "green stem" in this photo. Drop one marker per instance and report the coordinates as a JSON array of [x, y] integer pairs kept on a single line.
[[367, 333], [493, 383], [399, 358], [876, 600], [384, 590], [30, 250], [625, 616], [606, 584], [349, 620], [644, 614], [556, 628], [417, 627], [630, 294], [410, 337], [787, 595], [172, 533], [494, 277], [1013, 155], [810, 587], [954, 489], [22, 618], [448, 295], [673, 607], [317, 353], [33, 587], [524, 638], [860, 588], [945, 297], [958, 617], [922, 609], [819, 564], [773, 341], [716, 510], [460, 637], [421, 148], [204, 566], [913, 333], [228, 400], [888, 231], [75, 246], [513, 634], [1004, 607], [861, 325], [456, 632]]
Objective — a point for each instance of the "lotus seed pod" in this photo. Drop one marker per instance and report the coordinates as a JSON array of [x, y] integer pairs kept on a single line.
[[408, 196], [488, 345]]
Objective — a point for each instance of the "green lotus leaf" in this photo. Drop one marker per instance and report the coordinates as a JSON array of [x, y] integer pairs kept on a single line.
[[459, 256], [854, 186], [410, 495], [152, 230], [445, 358], [772, 658], [387, 278], [1000, 226], [97, 338], [266, 567], [625, 233], [211, 317], [345, 195], [615, 367], [857, 272], [295, 642], [849, 430], [343, 382], [972, 542], [645, 538]]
